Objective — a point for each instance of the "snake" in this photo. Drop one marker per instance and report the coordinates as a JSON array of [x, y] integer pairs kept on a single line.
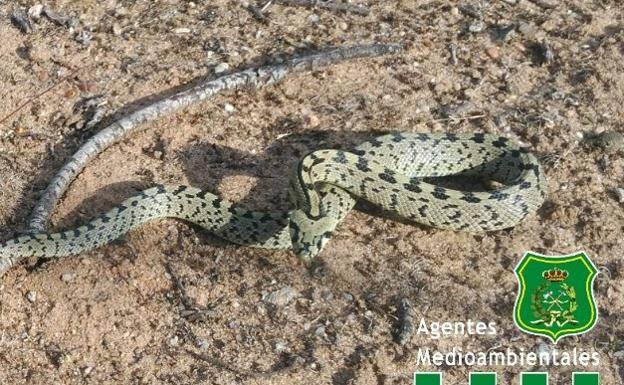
[[402, 173]]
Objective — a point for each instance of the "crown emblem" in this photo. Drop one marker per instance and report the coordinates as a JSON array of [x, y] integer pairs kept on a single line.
[[555, 275]]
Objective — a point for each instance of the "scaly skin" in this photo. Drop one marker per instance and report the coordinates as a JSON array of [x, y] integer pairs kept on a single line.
[[393, 172]]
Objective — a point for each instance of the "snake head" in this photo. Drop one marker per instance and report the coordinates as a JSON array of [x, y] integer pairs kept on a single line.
[[309, 236]]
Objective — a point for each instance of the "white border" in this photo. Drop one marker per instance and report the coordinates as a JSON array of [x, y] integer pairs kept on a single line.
[[591, 287]]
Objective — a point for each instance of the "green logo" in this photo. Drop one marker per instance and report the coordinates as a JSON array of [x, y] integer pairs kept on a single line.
[[555, 295]]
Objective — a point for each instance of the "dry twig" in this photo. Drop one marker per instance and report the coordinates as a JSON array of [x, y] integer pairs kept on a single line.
[[252, 78]]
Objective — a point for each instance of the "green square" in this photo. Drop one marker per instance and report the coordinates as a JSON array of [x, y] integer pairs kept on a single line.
[[427, 378], [482, 378], [534, 379], [585, 379]]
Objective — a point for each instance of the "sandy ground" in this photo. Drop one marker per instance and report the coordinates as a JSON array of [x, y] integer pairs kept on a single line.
[[171, 304]]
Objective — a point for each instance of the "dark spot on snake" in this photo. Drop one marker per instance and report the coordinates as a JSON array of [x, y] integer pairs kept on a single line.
[[387, 176], [478, 138], [422, 137], [451, 137], [411, 186], [470, 198], [217, 203], [362, 165], [440, 193], [515, 153], [179, 190], [397, 137], [202, 194], [524, 185], [500, 142], [499, 196]]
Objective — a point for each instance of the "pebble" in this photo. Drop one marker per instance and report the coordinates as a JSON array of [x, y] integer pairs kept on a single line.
[[203, 344], [117, 30], [476, 27], [31, 296], [173, 341], [493, 52], [280, 297], [311, 120], [229, 108], [68, 276], [527, 29], [35, 11], [21, 20], [84, 37], [343, 26], [87, 370], [181, 31], [280, 347], [314, 18], [221, 68], [619, 191]]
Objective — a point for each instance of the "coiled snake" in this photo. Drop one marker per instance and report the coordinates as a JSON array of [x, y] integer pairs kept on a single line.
[[393, 171]]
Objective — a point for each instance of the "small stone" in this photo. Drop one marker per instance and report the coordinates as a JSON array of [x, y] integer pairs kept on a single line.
[[35, 11], [619, 192], [280, 297], [42, 76], [476, 27], [87, 369], [343, 26], [181, 31], [203, 344], [84, 37], [506, 33], [117, 30], [31, 296], [493, 52], [311, 120], [280, 347], [314, 18], [68, 276], [174, 341], [229, 108], [528, 30], [320, 331], [21, 20], [221, 68]]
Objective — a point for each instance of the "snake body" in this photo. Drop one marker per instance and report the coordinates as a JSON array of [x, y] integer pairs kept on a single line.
[[396, 172]]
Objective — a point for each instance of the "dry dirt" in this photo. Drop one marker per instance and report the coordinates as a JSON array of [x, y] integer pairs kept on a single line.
[[171, 304]]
